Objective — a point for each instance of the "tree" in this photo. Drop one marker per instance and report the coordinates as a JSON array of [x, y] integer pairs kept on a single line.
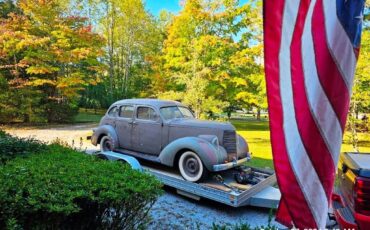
[[360, 100], [133, 38], [47, 57], [210, 55], [7, 7]]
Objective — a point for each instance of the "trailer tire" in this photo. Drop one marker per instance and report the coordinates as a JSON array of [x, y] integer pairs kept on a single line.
[[191, 167]]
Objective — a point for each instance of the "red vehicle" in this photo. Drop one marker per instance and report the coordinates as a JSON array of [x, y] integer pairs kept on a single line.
[[351, 202]]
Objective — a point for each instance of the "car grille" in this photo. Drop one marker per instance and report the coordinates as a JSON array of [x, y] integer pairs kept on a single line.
[[229, 141]]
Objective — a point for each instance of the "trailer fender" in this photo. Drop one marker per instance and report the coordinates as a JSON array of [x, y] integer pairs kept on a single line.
[[105, 130], [113, 156], [209, 152]]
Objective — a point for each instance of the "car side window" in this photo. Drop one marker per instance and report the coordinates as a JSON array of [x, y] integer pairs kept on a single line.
[[126, 111], [113, 111], [146, 113]]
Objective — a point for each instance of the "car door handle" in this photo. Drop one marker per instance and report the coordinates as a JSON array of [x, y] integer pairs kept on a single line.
[[132, 122]]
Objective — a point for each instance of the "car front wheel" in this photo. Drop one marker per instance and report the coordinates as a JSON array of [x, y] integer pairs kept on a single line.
[[106, 144], [191, 167]]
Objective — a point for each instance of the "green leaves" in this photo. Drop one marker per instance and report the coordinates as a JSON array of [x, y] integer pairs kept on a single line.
[[45, 49], [212, 54], [57, 186], [11, 147]]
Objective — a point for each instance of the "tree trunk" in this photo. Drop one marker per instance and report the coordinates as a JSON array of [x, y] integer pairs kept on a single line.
[[258, 114], [110, 33], [352, 124]]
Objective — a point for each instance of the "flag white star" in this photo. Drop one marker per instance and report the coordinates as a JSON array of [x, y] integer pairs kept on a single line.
[[360, 17]]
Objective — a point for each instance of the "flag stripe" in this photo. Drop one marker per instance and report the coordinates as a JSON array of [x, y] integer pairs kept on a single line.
[[298, 207], [300, 162], [311, 137], [326, 66], [309, 65], [339, 44], [320, 106]]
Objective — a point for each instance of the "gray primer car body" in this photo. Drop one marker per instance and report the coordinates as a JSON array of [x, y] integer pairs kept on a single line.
[[160, 140]]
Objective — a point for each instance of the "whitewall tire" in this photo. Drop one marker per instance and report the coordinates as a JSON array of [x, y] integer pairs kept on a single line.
[[191, 167]]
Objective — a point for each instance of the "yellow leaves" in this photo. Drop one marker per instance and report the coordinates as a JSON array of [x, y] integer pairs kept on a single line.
[[32, 41], [41, 69], [239, 81], [81, 53], [40, 82], [70, 81]]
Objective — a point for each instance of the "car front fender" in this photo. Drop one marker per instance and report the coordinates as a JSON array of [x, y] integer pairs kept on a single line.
[[104, 130], [242, 147], [210, 154]]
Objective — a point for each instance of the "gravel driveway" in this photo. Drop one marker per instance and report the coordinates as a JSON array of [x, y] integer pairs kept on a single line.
[[171, 211]]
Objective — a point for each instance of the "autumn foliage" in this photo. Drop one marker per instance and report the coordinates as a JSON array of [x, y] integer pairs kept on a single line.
[[59, 55], [46, 58]]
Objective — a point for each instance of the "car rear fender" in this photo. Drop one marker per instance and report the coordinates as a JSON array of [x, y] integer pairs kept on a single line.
[[105, 130], [210, 153]]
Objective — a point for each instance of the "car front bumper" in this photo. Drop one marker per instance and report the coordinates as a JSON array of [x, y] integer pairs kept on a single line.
[[229, 165]]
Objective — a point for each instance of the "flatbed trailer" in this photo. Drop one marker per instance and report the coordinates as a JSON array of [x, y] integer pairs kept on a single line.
[[226, 191]]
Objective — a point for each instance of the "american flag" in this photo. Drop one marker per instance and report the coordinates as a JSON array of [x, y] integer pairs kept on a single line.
[[311, 50]]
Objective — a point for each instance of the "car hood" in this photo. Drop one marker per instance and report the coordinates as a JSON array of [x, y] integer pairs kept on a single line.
[[202, 124]]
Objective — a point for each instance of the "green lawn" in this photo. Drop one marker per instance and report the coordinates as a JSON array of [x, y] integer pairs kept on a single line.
[[88, 115], [257, 134]]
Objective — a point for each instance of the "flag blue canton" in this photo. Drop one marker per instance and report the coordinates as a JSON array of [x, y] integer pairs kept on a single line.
[[350, 14]]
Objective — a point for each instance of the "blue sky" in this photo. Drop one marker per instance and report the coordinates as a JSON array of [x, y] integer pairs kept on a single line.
[[155, 6]]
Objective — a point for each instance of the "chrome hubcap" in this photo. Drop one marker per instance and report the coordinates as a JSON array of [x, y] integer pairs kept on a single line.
[[191, 166]]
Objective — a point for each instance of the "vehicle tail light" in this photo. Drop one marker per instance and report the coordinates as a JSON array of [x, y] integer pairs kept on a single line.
[[362, 195]]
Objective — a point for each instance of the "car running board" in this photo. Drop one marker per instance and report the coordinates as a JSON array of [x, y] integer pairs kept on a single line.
[[142, 156]]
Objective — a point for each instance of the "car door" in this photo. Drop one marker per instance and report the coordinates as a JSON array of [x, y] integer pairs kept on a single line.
[[110, 117], [124, 126], [147, 131]]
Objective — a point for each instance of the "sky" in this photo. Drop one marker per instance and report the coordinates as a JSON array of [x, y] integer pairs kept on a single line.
[[155, 6], [174, 6]]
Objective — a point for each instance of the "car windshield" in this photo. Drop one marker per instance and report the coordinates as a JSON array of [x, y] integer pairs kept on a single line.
[[174, 112]]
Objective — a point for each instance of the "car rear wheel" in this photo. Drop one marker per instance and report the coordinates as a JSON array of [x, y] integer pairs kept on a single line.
[[191, 167], [106, 144]]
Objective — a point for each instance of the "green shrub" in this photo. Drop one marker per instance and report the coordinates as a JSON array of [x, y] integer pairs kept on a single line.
[[3, 134], [62, 188], [61, 112], [10, 147]]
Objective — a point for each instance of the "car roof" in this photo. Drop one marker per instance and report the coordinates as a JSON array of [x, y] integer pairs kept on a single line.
[[144, 101]]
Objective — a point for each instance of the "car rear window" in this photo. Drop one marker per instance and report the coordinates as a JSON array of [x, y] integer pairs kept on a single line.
[[127, 111], [146, 113]]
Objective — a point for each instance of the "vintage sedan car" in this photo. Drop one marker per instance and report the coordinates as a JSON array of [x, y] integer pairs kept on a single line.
[[167, 132]]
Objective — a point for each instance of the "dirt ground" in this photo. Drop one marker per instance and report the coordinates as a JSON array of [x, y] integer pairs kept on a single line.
[[171, 211], [74, 135]]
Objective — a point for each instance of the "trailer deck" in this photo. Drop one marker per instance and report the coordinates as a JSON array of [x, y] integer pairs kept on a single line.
[[261, 194]]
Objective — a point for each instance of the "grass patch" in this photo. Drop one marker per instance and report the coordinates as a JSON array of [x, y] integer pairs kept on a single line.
[[257, 133], [88, 116]]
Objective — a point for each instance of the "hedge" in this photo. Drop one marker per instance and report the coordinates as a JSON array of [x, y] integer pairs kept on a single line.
[[11, 147], [59, 188]]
